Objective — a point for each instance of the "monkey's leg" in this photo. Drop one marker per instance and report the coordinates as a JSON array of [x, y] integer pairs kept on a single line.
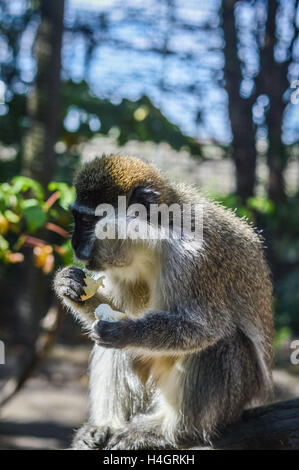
[[116, 395], [218, 384], [208, 391], [161, 426]]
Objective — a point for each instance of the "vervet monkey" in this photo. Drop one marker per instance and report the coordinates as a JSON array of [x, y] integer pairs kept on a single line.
[[195, 347]]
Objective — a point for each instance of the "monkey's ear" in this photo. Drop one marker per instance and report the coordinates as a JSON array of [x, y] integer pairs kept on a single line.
[[144, 195]]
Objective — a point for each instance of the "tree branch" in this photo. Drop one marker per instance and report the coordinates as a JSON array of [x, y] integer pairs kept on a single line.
[[270, 427]]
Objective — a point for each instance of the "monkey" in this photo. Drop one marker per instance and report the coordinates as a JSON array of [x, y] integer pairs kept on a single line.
[[195, 347]]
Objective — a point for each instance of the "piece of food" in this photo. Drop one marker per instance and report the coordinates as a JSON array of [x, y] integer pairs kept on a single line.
[[106, 313], [91, 287]]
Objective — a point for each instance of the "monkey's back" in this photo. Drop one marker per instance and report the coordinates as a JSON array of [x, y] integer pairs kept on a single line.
[[227, 288], [235, 266], [228, 275]]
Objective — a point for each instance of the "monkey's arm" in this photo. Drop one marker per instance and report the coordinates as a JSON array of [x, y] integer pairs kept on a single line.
[[68, 285], [163, 332]]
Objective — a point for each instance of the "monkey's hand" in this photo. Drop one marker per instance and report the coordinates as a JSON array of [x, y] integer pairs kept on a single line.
[[69, 283], [111, 334], [69, 286]]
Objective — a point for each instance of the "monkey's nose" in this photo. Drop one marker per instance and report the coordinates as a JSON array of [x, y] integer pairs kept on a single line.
[[83, 252]]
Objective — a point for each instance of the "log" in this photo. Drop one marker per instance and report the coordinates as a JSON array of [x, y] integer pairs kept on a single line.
[[270, 427]]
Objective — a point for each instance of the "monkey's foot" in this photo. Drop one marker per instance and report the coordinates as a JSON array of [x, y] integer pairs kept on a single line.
[[91, 437], [136, 439]]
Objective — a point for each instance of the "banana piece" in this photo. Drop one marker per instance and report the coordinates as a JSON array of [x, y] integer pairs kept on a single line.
[[91, 287], [106, 313]]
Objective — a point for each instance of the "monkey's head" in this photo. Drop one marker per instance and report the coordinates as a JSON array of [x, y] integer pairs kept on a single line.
[[101, 181]]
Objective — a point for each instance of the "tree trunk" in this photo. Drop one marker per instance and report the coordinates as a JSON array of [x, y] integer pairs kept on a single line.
[[39, 158], [43, 102], [240, 109], [273, 81], [271, 427]]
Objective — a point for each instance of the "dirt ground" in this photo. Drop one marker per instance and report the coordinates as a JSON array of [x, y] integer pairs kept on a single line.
[[53, 403]]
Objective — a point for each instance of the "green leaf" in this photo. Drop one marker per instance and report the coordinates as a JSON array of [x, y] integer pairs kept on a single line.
[[67, 257], [19, 243], [281, 336], [23, 183], [26, 203], [67, 193], [4, 245], [261, 204], [12, 216], [34, 215], [7, 195]]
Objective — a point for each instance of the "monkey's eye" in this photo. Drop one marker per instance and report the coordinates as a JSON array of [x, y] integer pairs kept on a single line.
[[89, 219], [85, 219], [144, 195]]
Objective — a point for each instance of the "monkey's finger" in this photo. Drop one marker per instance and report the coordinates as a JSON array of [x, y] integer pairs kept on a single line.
[[77, 270], [97, 339], [115, 333], [101, 436], [73, 273], [119, 440], [90, 444], [68, 292], [108, 331], [72, 284]]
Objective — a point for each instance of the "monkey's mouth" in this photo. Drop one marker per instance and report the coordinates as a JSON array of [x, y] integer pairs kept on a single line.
[[91, 266]]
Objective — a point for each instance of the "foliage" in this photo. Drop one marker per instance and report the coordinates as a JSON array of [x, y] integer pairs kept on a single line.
[[134, 120], [287, 303], [282, 219], [250, 209], [139, 120], [27, 219], [285, 224]]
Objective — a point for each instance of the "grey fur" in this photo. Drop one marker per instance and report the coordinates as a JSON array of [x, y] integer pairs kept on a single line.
[[186, 364]]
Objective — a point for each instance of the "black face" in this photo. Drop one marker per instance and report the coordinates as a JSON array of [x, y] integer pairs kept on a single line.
[[83, 237], [96, 253]]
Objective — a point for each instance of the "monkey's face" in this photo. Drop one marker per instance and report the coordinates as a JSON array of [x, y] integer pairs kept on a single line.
[[97, 254], [100, 182]]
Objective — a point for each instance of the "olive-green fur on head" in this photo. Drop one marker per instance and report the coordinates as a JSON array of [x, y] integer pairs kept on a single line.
[[105, 178]]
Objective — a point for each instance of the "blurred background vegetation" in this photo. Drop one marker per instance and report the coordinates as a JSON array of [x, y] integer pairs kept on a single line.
[[205, 90]]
